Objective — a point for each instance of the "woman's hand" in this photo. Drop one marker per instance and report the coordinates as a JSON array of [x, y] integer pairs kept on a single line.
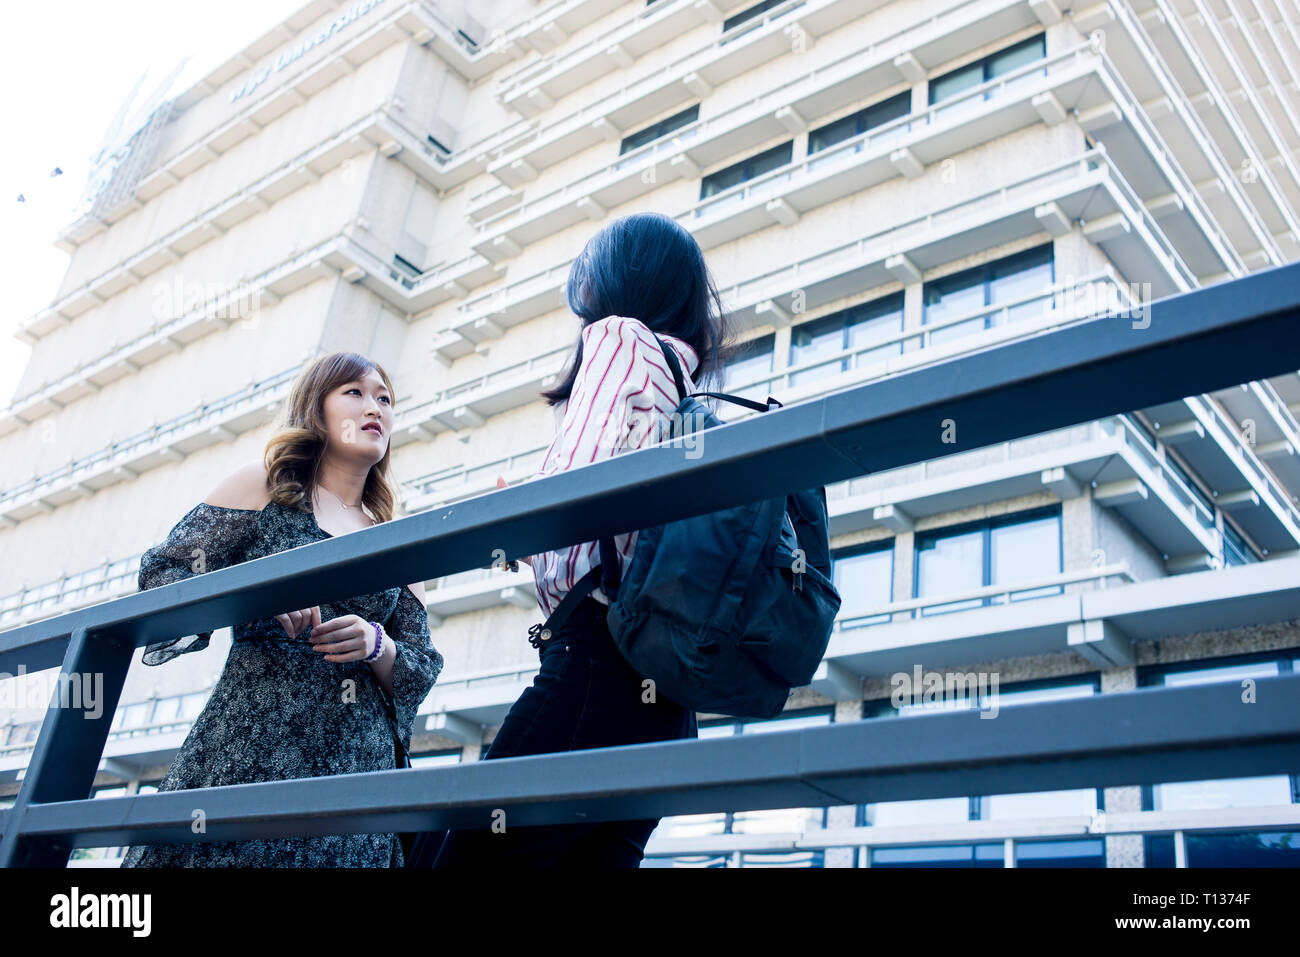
[[346, 638], [296, 622], [501, 483]]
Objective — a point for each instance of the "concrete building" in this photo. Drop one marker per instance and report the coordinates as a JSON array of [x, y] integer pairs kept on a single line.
[[877, 184]]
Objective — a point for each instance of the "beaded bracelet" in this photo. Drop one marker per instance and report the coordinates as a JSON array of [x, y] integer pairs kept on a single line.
[[379, 642]]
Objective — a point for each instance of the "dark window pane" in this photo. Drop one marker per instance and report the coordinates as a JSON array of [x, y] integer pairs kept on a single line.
[[993, 65], [749, 13], [662, 128], [1158, 850], [950, 84], [860, 122], [959, 855], [1004, 61], [832, 133], [1087, 853], [746, 169], [1249, 849]]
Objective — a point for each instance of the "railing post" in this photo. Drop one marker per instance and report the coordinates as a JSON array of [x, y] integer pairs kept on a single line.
[[71, 742]]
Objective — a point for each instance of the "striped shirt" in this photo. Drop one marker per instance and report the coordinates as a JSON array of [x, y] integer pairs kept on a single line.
[[621, 400]]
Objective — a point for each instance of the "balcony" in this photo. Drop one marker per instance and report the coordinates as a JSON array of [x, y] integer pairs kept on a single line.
[[469, 404], [1203, 135], [1275, 439], [237, 306], [463, 405], [1237, 60], [1241, 484], [110, 579], [717, 60], [1009, 833], [308, 167], [552, 77], [966, 26], [458, 482], [218, 421], [1051, 199], [1110, 455], [478, 589]]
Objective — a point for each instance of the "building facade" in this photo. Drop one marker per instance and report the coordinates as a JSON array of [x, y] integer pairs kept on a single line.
[[877, 185]]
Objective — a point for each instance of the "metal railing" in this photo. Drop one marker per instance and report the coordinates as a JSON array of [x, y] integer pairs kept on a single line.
[[1187, 344]]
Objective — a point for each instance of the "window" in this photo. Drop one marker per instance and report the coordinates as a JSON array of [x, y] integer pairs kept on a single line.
[[1192, 485], [1086, 853], [859, 122], [747, 169], [982, 287], [953, 855], [851, 330], [662, 128], [787, 820], [1227, 849], [864, 576], [749, 13], [133, 716], [752, 359], [1018, 806], [994, 65], [192, 704], [1235, 549], [24, 733], [1263, 791], [435, 759], [167, 709], [993, 552], [406, 266]]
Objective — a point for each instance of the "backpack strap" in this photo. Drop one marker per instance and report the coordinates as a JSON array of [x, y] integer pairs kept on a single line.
[[606, 574], [675, 365]]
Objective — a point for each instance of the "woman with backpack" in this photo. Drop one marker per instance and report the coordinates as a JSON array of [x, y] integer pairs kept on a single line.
[[641, 276]]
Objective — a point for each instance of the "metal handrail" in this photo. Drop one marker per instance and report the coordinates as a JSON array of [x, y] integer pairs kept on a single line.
[[1196, 342]]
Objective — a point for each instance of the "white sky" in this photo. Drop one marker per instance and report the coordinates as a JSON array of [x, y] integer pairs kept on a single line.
[[65, 68]]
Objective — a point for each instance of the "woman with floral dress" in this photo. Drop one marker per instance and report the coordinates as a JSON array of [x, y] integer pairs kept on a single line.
[[312, 692]]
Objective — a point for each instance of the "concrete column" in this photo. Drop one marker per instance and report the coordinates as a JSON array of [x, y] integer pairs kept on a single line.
[[1122, 850], [845, 815]]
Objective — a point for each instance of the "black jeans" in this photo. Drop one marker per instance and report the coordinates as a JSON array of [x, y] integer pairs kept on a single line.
[[585, 695]]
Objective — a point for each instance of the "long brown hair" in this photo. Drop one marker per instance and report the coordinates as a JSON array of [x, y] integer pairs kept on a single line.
[[292, 456]]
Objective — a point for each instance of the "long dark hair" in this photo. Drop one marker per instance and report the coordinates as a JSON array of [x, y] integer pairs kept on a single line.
[[647, 266]]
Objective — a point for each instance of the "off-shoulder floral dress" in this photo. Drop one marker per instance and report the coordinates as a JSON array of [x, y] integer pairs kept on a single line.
[[279, 709]]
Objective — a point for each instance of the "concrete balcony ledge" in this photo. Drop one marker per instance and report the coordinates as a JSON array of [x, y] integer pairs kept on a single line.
[[1100, 625], [480, 589], [166, 443], [1285, 816], [963, 27]]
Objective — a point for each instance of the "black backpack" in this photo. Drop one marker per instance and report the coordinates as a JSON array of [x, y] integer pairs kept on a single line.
[[728, 612]]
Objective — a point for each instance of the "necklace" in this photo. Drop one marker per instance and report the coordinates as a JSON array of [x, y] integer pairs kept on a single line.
[[344, 504]]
